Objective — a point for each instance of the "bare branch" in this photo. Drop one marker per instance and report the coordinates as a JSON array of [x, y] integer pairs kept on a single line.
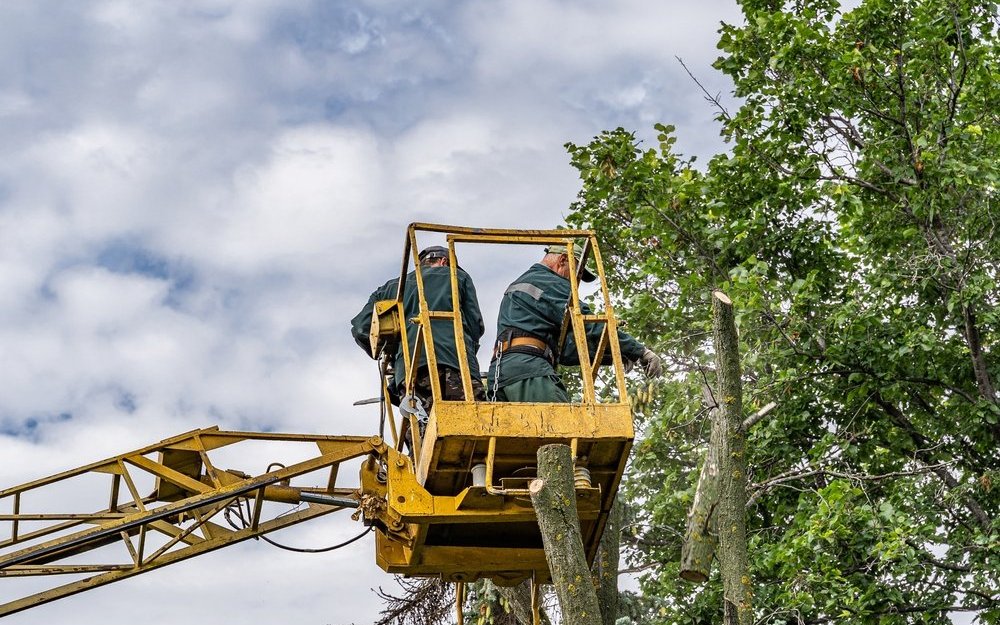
[[753, 419]]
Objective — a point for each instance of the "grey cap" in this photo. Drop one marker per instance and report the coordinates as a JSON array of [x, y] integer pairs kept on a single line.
[[585, 274], [434, 251]]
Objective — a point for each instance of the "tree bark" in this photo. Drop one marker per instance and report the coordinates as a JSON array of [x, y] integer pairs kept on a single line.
[[605, 569], [701, 534], [733, 559], [975, 343], [554, 499], [519, 599]]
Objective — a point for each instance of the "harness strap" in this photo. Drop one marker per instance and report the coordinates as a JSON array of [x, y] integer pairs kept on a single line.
[[514, 341]]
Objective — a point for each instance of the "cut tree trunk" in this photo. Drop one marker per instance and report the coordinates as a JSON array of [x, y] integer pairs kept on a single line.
[[733, 559], [701, 534], [554, 499]]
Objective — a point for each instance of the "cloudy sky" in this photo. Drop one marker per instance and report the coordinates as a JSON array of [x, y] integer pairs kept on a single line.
[[197, 195]]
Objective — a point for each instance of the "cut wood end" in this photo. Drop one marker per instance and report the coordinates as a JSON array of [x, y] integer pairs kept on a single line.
[[722, 297], [692, 575], [535, 486]]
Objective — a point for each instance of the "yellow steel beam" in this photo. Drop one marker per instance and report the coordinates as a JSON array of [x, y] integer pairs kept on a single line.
[[120, 573], [168, 474], [459, 563], [458, 325], [479, 233], [186, 520], [534, 420], [408, 501]]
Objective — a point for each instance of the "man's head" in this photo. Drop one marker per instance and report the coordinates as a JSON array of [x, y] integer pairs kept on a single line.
[[434, 256], [557, 259]]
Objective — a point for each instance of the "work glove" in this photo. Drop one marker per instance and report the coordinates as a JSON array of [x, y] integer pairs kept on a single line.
[[651, 364]]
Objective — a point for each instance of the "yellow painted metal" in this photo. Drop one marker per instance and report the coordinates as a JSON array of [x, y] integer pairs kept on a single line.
[[491, 457], [463, 364], [504, 565], [390, 415], [409, 502], [459, 603], [536, 616], [188, 494], [386, 326], [424, 319]]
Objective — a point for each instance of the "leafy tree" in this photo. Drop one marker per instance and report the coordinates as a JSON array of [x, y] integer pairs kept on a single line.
[[854, 224]]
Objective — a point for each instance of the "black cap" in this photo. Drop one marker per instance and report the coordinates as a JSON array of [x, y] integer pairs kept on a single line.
[[434, 251]]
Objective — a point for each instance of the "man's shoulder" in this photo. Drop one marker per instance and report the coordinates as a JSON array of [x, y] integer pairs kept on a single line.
[[534, 272], [442, 275], [387, 290], [541, 276]]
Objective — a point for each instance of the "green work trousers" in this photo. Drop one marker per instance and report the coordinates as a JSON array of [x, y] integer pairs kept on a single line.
[[547, 388]]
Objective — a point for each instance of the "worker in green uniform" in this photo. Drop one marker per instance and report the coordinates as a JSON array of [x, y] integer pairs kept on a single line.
[[436, 275], [528, 328]]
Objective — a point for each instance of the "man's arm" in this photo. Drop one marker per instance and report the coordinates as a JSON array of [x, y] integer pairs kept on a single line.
[[471, 314], [631, 349], [362, 322]]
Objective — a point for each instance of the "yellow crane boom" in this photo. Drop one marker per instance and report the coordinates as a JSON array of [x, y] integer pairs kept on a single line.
[[126, 531]]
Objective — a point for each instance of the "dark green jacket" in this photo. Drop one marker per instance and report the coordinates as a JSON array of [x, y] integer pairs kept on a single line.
[[437, 291], [535, 303]]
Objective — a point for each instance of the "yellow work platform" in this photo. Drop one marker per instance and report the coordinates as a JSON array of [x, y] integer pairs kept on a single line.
[[440, 517]]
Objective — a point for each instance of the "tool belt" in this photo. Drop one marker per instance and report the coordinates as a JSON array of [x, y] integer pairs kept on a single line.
[[513, 341]]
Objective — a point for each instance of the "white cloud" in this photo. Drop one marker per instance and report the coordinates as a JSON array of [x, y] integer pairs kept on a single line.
[[300, 204], [590, 37], [195, 197]]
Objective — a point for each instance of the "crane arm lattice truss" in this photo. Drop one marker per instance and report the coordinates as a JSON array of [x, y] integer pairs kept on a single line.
[[126, 532]]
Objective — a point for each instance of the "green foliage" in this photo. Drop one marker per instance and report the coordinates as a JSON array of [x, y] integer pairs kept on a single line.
[[484, 605], [854, 226]]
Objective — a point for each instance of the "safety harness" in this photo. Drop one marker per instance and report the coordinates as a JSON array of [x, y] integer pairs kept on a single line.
[[517, 341]]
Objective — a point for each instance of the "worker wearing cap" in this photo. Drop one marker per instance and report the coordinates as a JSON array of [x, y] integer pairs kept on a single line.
[[436, 277], [528, 329]]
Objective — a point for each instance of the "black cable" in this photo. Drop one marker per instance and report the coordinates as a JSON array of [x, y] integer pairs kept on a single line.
[[321, 549], [239, 512]]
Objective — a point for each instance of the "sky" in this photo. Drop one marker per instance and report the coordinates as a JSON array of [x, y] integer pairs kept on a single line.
[[197, 195]]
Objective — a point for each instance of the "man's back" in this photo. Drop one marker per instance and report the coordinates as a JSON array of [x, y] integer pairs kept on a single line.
[[437, 293], [529, 327], [533, 304]]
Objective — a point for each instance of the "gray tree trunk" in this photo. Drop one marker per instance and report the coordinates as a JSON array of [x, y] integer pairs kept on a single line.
[[701, 534], [554, 499], [733, 559], [519, 599]]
